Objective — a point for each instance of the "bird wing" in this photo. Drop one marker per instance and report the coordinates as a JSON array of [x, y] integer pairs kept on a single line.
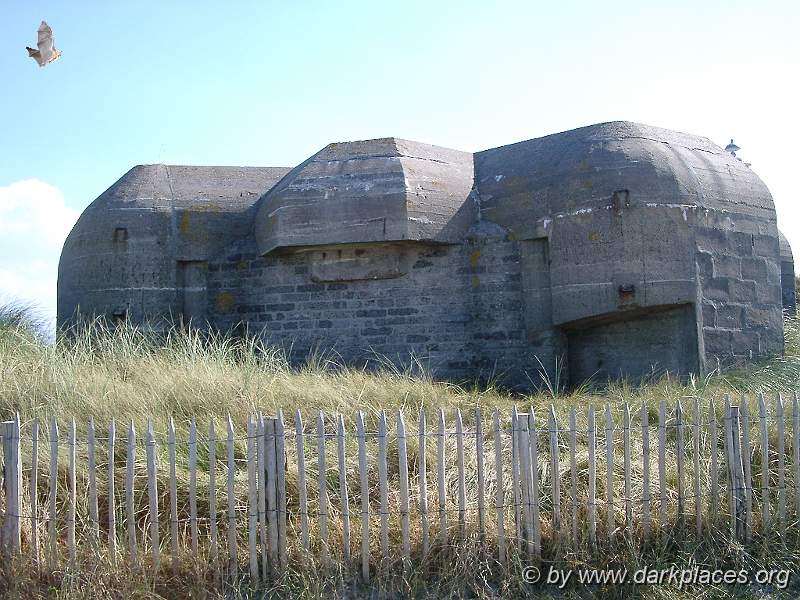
[[45, 41], [35, 55]]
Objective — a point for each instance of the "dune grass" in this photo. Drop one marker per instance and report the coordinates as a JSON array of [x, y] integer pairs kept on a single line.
[[132, 375]]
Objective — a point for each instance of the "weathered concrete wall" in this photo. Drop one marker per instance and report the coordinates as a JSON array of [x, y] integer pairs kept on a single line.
[[788, 289], [130, 250], [360, 320], [637, 217], [467, 324], [612, 250], [647, 343], [739, 277], [370, 191]]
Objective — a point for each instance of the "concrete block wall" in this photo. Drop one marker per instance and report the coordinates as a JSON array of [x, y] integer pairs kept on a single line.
[[740, 290], [421, 312], [496, 333]]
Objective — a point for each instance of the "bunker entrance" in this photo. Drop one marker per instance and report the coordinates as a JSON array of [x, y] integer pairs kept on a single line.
[[624, 345]]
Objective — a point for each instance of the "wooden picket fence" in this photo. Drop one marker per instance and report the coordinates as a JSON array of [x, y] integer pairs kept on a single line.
[[529, 493]]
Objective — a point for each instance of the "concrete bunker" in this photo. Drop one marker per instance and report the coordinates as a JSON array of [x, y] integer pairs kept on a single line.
[[617, 249]]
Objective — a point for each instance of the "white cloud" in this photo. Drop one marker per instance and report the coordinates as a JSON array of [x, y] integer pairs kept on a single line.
[[34, 221]]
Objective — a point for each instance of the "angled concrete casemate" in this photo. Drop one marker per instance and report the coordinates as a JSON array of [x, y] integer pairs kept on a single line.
[[614, 250]]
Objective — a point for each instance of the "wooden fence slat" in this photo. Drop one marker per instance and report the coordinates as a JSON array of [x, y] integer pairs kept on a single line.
[[52, 544], [5, 484], [498, 470], [728, 440], [781, 448], [383, 485], [440, 481], [16, 484], [173, 496], [344, 497], [302, 489], [462, 490], [130, 511], [533, 434], [422, 469], [645, 423], [609, 430], [515, 473], [555, 472], [252, 501], [747, 469], [94, 523], [738, 451], [152, 495], [480, 472], [364, 480], [592, 499], [35, 493], [796, 449], [323, 491], [714, 475], [626, 466], [679, 455], [112, 504], [11, 532], [262, 482], [698, 506], [573, 473], [280, 482], [523, 445], [765, 517], [193, 488], [736, 471], [212, 501], [402, 455], [233, 550], [72, 491], [271, 463], [662, 466]]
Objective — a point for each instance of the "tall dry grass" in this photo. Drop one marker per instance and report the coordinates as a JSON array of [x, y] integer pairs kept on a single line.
[[132, 375]]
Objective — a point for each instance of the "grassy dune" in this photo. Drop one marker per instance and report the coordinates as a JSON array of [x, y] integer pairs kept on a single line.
[[132, 376]]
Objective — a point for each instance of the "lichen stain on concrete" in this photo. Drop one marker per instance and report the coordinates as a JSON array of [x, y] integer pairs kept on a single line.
[[184, 224], [594, 236], [476, 281], [241, 265], [474, 257], [225, 302], [190, 228]]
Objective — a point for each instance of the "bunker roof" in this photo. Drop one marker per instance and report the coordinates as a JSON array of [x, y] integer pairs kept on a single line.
[[217, 189]]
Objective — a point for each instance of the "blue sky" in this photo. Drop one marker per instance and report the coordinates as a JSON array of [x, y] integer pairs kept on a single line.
[[270, 83]]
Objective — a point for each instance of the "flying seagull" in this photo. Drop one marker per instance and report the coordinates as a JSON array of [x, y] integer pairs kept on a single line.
[[47, 52]]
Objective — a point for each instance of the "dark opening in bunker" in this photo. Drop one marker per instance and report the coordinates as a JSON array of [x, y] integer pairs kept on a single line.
[[623, 345], [120, 235]]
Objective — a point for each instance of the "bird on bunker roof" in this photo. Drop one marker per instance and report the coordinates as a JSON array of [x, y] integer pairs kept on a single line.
[[46, 52]]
